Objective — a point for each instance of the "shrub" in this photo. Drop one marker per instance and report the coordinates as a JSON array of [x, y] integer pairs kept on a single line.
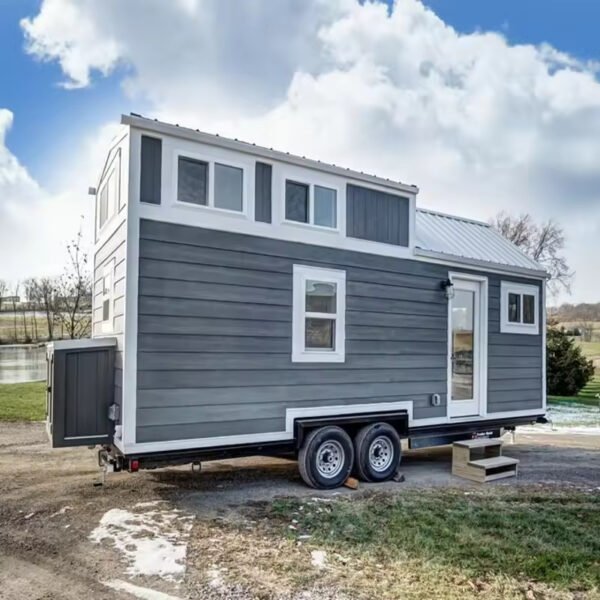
[[568, 370]]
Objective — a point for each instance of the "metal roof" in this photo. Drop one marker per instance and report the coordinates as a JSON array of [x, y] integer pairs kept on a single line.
[[472, 241], [136, 120]]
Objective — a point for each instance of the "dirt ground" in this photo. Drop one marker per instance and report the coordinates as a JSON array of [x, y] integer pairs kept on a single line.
[[49, 507]]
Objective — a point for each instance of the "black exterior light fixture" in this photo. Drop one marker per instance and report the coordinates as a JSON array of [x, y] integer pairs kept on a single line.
[[448, 287]]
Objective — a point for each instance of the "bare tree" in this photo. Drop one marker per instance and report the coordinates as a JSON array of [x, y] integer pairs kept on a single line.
[[31, 291], [14, 299], [46, 290], [74, 298], [3, 290], [544, 243]]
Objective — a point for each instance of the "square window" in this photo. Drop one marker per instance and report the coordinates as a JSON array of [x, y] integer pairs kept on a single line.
[[519, 308], [319, 334], [296, 202], [514, 308], [192, 181], [320, 297], [228, 187], [528, 309], [325, 206]]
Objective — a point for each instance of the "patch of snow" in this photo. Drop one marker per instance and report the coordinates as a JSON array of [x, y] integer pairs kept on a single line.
[[29, 515], [318, 558], [216, 581], [153, 542], [559, 430], [577, 419], [62, 511], [148, 504], [138, 591]]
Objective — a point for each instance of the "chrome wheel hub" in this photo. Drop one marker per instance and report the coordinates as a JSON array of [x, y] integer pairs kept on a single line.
[[330, 459], [381, 453]]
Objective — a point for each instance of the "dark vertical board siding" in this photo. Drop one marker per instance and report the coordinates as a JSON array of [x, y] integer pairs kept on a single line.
[[82, 390], [214, 349], [377, 216], [263, 192], [151, 167]]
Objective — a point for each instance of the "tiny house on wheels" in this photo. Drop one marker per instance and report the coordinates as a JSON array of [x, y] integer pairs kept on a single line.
[[248, 301]]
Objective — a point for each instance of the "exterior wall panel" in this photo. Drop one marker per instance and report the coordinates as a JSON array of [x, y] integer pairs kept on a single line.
[[112, 250], [215, 325]]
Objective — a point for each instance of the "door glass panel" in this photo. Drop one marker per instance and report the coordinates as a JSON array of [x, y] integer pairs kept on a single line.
[[463, 321]]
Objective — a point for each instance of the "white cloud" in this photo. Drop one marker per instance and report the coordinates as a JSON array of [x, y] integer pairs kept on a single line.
[[479, 124], [36, 223]]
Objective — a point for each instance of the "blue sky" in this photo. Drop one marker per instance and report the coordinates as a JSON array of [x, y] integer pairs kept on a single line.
[[47, 115], [48, 118], [478, 124]]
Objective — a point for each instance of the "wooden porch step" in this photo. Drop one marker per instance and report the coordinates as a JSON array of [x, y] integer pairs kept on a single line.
[[494, 462], [479, 443], [487, 468]]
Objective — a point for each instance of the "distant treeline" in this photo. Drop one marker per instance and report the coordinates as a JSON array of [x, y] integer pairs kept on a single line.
[[576, 312]]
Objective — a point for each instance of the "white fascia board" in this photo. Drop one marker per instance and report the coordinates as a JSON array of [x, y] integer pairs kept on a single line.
[[262, 152]]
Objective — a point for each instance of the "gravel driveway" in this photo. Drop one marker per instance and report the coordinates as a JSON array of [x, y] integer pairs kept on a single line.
[[60, 533]]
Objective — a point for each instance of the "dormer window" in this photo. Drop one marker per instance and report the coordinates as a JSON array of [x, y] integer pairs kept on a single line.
[[310, 204]]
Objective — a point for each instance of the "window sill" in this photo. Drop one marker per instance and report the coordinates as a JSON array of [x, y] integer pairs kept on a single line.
[[318, 357], [323, 228], [211, 209], [519, 328]]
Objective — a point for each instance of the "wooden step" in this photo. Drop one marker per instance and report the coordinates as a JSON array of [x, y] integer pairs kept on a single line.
[[479, 443], [494, 462], [492, 466]]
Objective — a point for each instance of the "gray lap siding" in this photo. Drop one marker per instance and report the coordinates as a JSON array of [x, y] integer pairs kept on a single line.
[[215, 335]]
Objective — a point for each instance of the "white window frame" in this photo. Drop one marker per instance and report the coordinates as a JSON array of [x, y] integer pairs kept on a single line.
[[300, 353], [506, 326], [210, 191], [311, 203], [111, 182], [108, 273]]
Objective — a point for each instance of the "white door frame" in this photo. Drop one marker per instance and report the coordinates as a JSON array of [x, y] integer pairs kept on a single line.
[[478, 407]]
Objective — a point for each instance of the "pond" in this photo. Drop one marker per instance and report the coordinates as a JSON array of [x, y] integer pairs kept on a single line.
[[22, 363]]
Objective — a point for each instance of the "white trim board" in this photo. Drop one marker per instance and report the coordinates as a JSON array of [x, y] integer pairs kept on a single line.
[[315, 411], [481, 325]]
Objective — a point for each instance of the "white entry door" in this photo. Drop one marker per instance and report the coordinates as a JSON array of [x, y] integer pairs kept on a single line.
[[467, 348]]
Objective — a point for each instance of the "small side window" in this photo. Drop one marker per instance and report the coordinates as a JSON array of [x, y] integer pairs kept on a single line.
[[519, 308], [107, 296], [318, 315], [311, 204]]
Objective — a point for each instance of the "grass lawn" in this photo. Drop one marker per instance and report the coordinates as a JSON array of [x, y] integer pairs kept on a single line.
[[453, 542], [586, 396], [23, 401]]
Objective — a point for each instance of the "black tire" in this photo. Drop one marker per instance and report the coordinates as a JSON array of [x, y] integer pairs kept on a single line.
[[326, 448], [378, 452]]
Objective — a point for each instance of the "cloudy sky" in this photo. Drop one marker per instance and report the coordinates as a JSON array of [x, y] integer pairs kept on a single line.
[[485, 106]]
